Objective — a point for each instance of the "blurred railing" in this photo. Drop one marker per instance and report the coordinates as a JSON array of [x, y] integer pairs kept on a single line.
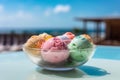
[[12, 41]]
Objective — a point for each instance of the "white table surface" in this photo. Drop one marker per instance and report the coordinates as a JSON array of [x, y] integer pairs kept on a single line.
[[17, 66]]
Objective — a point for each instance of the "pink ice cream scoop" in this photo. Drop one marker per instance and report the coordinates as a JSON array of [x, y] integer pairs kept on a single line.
[[54, 50], [67, 37]]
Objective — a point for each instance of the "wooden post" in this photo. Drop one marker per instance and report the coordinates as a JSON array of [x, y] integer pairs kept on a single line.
[[85, 26], [98, 31]]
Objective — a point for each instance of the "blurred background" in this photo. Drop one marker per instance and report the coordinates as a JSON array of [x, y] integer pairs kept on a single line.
[[19, 19]]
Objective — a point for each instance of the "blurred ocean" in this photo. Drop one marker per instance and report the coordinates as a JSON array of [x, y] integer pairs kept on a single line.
[[52, 31]]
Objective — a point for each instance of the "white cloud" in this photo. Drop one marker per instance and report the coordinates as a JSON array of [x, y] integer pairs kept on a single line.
[[1, 8], [57, 9], [61, 8]]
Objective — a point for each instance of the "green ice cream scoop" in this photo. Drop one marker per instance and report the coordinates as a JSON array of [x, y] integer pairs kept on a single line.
[[80, 48], [80, 42], [80, 55]]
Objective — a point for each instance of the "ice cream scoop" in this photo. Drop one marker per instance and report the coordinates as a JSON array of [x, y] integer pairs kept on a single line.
[[80, 47], [81, 42], [36, 41], [80, 55], [54, 44], [32, 42], [45, 36], [67, 37], [54, 50]]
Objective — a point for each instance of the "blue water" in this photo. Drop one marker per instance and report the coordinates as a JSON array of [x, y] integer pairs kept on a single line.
[[107, 52]]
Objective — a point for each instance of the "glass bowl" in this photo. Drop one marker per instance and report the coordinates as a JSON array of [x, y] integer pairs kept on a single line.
[[59, 60]]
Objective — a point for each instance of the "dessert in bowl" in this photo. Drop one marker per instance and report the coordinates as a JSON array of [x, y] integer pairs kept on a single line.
[[64, 52]]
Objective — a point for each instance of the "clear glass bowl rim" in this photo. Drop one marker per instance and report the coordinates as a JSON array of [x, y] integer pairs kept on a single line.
[[37, 49]]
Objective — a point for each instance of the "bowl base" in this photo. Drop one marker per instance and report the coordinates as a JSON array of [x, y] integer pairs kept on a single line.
[[57, 69]]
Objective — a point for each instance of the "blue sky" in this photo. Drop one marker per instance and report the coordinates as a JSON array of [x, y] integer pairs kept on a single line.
[[53, 13]]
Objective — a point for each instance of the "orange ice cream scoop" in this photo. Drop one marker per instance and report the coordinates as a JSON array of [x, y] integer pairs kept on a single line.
[[88, 37], [34, 42], [69, 35]]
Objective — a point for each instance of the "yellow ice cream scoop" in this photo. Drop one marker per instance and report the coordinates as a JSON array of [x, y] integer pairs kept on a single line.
[[45, 36]]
